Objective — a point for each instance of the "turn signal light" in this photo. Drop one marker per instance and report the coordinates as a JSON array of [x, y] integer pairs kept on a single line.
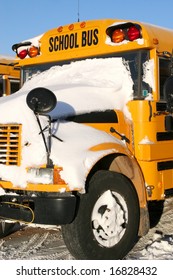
[[57, 177]]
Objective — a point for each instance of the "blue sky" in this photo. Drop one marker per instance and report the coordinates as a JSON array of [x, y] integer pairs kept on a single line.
[[21, 20]]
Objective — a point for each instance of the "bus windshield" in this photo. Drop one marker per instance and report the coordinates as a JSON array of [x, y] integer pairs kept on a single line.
[[134, 61]]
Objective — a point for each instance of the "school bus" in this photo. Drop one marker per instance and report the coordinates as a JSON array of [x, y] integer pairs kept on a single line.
[[103, 217], [9, 76]]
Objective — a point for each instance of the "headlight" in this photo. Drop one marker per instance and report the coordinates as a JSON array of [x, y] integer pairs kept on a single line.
[[40, 175]]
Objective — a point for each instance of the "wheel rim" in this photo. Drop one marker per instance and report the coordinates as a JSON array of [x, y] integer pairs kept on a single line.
[[109, 218]]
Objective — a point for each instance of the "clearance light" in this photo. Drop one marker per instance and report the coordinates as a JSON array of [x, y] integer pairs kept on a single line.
[[60, 29], [118, 36], [125, 31], [71, 27], [155, 41], [83, 24]]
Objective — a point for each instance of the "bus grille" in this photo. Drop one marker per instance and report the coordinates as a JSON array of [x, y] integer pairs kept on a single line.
[[10, 144]]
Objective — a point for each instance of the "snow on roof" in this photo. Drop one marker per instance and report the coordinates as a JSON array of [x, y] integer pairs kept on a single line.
[[83, 86]]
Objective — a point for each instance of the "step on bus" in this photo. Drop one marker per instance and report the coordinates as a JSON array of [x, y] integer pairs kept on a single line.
[[99, 98]]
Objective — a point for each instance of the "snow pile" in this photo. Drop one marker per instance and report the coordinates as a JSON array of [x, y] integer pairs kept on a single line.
[[159, 247], [80, 87], [158, 243]]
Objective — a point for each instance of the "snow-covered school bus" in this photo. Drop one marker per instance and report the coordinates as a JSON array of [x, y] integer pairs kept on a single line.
[[87, 142], [9, 76]]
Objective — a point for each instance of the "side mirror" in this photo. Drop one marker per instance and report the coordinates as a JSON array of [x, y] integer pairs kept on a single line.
[[41, 100], [168, 93]]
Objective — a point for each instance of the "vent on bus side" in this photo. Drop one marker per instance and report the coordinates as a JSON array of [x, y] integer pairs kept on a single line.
[[10, 144], [165, 165], [164, 136], [161, 106]]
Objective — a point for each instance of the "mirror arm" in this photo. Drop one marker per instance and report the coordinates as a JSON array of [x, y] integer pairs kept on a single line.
[[49, 161], [47, 146]]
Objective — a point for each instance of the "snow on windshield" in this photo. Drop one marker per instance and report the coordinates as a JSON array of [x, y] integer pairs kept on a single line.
[[148, 76], [80, 87]]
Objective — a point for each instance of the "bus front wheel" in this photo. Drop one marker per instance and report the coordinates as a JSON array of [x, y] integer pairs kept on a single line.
[[107, 220]]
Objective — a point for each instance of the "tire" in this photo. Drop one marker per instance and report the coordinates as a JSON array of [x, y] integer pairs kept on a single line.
[[5, 228], [107, 220]]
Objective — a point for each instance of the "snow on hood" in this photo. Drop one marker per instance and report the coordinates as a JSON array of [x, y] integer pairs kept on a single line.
[[80, 87]]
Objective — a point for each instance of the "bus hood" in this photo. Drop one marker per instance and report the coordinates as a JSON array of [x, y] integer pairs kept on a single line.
[[80, 87]]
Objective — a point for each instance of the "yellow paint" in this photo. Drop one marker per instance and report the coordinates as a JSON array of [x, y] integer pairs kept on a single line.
[[84, 40]]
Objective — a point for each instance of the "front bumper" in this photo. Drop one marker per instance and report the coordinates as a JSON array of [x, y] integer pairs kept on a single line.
[[51, 210]]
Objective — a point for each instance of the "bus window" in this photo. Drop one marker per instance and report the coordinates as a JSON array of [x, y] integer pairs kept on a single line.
[[134, 62], [9, 76], [14, 85], [1, 86], [8, 85], [164, 73], [27, 72]]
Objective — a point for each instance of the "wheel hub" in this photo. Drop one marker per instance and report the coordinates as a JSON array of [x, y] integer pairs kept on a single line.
[[109, 218]]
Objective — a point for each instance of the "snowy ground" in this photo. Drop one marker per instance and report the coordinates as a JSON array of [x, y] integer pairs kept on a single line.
[[158, 243], [35, 243]]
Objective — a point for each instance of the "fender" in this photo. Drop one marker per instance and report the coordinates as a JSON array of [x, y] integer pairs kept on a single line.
[[118, 158]]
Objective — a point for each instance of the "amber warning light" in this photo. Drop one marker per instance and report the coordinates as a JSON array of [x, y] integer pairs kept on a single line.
[[126, 31]]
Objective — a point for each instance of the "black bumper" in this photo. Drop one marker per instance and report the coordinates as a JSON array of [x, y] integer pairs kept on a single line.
[[53, 210]]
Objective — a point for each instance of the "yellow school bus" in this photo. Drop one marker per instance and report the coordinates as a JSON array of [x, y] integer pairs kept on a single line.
[[103, 215], [9, 76]]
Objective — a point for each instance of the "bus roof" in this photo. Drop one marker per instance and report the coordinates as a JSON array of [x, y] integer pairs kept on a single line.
[[91, 38], [6, 59]]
